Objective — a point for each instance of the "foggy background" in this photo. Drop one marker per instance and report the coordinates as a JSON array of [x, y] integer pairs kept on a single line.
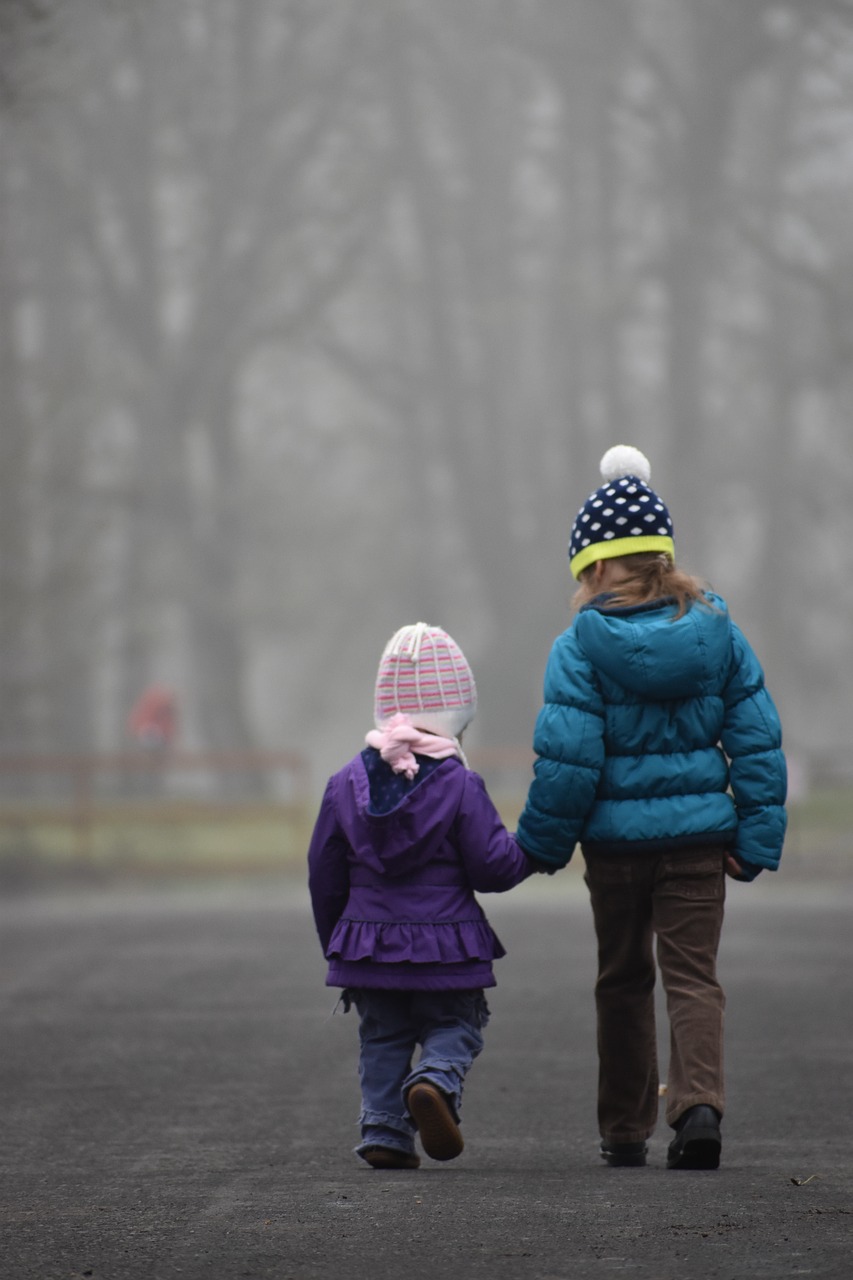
[[317, 316]]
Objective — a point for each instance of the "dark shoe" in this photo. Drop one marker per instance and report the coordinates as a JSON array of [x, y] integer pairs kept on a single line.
[[436, 1124], [624, 1154], [390, 1158], [697, 1140]]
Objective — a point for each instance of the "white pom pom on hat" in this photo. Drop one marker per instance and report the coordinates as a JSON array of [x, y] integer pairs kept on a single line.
[[625, 460]]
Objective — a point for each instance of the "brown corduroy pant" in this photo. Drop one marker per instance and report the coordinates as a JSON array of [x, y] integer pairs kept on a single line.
[[678, 899]]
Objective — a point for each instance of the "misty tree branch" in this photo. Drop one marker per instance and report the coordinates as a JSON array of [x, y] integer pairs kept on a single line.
[[391, 388], [770, 253], [257, 175], [266, 195]]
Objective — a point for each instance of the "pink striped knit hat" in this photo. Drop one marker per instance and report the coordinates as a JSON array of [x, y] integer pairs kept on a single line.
[[424, 674]]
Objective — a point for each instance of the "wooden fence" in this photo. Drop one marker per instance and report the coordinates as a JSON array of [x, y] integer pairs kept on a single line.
[[72, 803], [176, 809]]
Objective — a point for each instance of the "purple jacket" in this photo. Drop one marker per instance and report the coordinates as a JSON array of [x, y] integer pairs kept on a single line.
[[393, 892]]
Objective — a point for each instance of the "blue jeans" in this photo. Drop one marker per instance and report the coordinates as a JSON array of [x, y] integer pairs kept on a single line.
[[448, 1026]]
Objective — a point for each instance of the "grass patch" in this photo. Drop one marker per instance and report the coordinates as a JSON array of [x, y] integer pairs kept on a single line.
[[155, 839], [176, 838]]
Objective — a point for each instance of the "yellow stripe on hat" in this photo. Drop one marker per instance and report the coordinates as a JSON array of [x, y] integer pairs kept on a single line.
[[613, 547]]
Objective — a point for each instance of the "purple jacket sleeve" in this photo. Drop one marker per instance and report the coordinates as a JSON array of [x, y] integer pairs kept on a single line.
[[494, 861], [328, 868]]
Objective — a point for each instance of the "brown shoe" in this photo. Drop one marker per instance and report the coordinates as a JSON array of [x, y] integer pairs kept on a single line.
[[390, 1158], [431, 1112]]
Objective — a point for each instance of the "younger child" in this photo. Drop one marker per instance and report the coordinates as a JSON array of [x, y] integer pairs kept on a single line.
[[659, 749], [406, 833]]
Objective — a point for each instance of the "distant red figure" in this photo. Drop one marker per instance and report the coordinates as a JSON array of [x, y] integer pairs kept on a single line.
[[153, 720]]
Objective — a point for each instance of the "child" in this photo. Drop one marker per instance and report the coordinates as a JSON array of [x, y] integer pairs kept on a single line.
[[659, 749], [405, 834]]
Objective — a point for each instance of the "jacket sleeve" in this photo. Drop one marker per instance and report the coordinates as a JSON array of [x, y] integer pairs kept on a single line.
[[752, 740], [491, 856], [328, 868], [569, 744]]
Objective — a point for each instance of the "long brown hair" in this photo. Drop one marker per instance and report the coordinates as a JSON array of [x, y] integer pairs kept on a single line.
[[648, 576]]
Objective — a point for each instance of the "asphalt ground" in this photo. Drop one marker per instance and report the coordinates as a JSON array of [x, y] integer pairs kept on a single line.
[[178, 1100]]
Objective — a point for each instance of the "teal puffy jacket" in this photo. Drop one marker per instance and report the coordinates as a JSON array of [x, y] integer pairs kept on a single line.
[[657, 733]]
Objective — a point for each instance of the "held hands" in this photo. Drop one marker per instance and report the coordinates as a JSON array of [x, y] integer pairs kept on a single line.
[[543, 868]]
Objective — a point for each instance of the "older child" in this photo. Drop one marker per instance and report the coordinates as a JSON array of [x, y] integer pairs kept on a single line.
[[659, 749], [406, 833]]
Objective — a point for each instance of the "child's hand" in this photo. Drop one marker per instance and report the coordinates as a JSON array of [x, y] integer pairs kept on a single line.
[[543, 868], [733, 867]]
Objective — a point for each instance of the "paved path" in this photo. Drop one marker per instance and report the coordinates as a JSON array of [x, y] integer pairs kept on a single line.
[[178, 1102]]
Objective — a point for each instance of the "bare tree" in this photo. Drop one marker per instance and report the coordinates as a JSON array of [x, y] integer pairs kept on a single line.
[[203, 194]]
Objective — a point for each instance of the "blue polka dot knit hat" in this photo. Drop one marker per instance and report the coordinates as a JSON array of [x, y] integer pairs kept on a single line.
[[623, 517], [424, 674]]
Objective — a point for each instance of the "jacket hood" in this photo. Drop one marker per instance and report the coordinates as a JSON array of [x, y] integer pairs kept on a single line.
[[411, 834], [650, 652]]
